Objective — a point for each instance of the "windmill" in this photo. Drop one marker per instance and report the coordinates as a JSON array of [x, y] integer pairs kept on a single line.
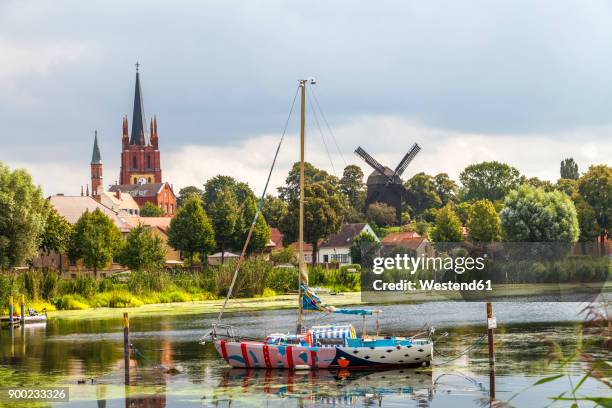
[[385, 185]]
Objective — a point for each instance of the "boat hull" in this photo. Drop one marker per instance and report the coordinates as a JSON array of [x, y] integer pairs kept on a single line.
[[251, 354]]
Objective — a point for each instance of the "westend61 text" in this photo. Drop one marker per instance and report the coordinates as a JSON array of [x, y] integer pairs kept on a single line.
[[405, 285]]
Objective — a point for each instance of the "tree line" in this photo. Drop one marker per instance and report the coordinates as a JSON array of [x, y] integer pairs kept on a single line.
[[493, 201]]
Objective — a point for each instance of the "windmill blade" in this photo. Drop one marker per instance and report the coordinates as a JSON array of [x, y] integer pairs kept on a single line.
[[370, 160], [407, 159]]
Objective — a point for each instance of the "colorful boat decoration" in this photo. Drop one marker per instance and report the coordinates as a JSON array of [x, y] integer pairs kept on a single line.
[[319, 347]]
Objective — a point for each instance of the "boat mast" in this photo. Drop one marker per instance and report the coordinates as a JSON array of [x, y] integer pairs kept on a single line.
[[302, 273]]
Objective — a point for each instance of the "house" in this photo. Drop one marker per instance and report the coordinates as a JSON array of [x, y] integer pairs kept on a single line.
[[408, 240], [337, 248], [71, 208], [122, 203], [307, 251], [276, 237], [159, 227], [159, 194]]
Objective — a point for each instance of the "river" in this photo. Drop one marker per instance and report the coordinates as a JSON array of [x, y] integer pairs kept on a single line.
[[87, 356]]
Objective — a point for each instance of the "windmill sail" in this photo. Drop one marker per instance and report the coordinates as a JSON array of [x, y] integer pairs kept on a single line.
[[407, 159], [370, 160]]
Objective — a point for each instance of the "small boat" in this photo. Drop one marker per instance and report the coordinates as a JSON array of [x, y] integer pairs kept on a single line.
[[320, 347], [35, 318]]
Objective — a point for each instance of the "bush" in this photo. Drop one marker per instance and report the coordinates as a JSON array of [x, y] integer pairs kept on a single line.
[[282, 280], [71, 302]]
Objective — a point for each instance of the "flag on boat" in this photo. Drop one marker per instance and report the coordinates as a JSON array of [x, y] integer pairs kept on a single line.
[[311, 302]]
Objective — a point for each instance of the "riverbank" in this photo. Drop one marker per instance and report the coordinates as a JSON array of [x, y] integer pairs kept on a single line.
[[289, 301]]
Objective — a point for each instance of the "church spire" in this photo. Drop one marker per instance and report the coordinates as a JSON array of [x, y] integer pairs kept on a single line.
[[138, 117], [96, 158]]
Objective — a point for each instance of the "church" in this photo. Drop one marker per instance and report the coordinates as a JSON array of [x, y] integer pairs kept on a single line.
[[140, 176]]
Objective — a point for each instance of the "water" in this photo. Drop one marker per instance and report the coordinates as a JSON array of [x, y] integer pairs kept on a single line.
[[67, 352]]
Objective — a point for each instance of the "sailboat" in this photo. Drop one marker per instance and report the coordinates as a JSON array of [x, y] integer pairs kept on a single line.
[[317, 347]]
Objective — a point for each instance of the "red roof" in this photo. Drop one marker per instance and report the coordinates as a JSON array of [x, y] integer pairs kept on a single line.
[[277, 237], [410, 240], [307, 246]]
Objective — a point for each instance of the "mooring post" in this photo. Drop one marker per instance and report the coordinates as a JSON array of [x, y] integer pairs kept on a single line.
[[11, 310], [126, 346], [491, 325], [22, 306]]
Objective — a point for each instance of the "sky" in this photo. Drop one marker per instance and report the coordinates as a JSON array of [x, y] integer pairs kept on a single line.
[[522, 82]]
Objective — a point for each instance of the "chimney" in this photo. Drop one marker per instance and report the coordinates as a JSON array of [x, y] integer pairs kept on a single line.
[[81, 191]]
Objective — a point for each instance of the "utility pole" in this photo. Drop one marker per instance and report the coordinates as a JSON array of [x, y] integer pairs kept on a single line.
[[491, 325], [301, 265]]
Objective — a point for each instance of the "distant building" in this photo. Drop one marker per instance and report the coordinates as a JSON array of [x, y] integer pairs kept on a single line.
[[140, 174], [122, 203], [337, 248], [215, 259], [276, 237], [159, 227], [307, 251], [408, 241]]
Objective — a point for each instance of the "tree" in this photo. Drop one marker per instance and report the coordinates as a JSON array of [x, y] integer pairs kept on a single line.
[[353, 187], [151, 210], [463, 211], [323, 213], [568, 186], [533, 215], [538, 183], [364, 249], [223, 211], [596, 188], [422, 193], [488, 181], [569, 169], [247, 207], [186, 192], [23, 213], [446, 188], [95, 240], [142, 250], [191, 231], [447, 227], [291, 190], [587, 219], [57, 233], [483, 223], [274, 209], [381, 214]]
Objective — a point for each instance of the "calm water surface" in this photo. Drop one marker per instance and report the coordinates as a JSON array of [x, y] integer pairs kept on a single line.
[[67, 352]]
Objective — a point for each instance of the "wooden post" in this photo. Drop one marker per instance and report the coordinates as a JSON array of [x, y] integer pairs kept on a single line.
[[11, 311], [126, 346], [491, 324], [22, 307]]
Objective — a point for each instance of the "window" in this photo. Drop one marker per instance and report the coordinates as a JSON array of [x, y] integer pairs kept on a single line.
[[326, 258], [171, 208], [149, 179], [148, 161], [134, 162], [340, 258]]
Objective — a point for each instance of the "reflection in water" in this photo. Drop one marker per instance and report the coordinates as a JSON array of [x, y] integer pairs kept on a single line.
[[87, 356]]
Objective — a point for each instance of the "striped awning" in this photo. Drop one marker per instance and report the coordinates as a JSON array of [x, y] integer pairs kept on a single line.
[[333, 332]]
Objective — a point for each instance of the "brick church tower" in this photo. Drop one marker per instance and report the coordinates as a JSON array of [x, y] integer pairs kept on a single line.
[[96, 169], [140, 159]]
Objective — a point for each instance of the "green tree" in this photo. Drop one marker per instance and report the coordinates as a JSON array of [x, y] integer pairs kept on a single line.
[[463, 211], [447, 227], [142, 250], [364, 249], [247, 207], [538, 183], [422, 194], [95, 240], [587, 220], [446, 188], [290, 192], [483, 223], [488, 181], [533, 215], [381, 214], [23, 213], [323, 214], [223, 211], [151, 210], [569, 169], [353, 187], [596, 188], [274, 209], [186, 192], [57, 232], [283, 256], [190, 231], [568, 186]]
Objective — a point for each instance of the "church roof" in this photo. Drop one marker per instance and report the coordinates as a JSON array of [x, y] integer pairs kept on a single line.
[[139, 123], [96, 158], [72, 207]]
